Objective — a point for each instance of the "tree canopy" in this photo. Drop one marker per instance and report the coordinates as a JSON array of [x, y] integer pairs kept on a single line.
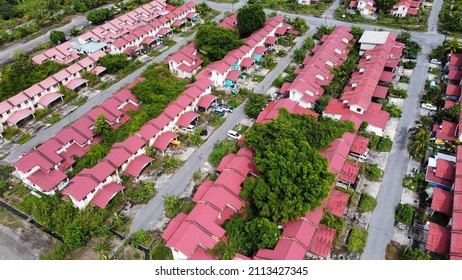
[[114, 62], [255, 104], [23, 73], [249, 19], [216, 41], [294, 176], [100, 15], [57, 36]]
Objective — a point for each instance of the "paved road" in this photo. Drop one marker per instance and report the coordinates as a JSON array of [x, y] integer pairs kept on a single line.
[[329, 13], [44, 134], [381, 226], [433, 19], [152, 213]]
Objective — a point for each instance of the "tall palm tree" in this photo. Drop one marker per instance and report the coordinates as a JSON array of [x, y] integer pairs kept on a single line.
[[418, 140], [452, 46]]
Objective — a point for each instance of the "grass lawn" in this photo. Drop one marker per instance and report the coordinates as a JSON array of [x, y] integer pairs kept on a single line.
[[186, 34], [258, 78], [24, 138]]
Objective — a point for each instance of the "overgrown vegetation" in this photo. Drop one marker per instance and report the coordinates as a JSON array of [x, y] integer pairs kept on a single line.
[[357, 240], [366, 203], [23, 73], [255, 105], [215, 41], [404, 213], [292, 171], [250, 18], [220, 150], [373, 172], [161, 252]]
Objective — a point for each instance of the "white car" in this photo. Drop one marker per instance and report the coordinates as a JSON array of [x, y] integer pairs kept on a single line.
[[435, 61], [429, 106], [191, 128], [234, 135]]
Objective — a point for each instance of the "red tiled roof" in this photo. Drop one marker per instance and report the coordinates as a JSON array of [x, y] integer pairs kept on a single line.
[[80, 186], [47, 181], [173, 110], [105, 195], [206, 100], [187, 118], [203, 188], [233, 75], [224, 162], [285, 249], [201, 254], [322, 241], [231, 180], [453, 90], [220, 198], [300, 230], [173, 225], [387, 76], [445, 169], [117, 157], [430, 177], [349, 172], [49, 98], [437, 239], [442, 201], [75, 83], [247, 62], [447, 131], [448, 103], [456, 246], [164, 140], [271, 40], [337, 202], [315, 215], [137, 165], [380, 92], [359, 145], [259, 50]]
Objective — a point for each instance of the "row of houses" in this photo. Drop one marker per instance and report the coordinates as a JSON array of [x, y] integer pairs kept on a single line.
[[44, 93], [444, 173], [190, 236], [400, 9], [43, 169], [447, 131], [226, 71], [376, 68], [446, 196], [147, 24], [307, 88]]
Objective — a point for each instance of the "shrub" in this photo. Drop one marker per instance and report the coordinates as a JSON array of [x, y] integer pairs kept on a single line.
[[357, 240], [404, 213], [373, 172], [220, 150], [384, 144], [366, 203]]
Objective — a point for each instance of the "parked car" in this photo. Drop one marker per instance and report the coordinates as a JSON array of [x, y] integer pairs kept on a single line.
[[234, 135], [410, 56], [435, 61], [226, 108], [191, 128], [429, 106], [219, 111]]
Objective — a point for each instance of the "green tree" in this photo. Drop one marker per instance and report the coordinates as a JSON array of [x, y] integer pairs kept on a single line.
[[255, 105], [263, 233], [216, 41], [300, 25], [100, 15], [172, 206], [404, 213], [102, 128], [450, 114], [57, 36], [308, 44], [419, 139], [114, 62], [294, 176], [76, 235], [452, 46], [250, 18], [299, 55]]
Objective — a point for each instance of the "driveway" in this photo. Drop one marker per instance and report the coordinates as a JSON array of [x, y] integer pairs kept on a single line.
[[433, 19]]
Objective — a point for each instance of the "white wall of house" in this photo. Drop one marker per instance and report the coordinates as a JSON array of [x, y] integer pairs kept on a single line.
[[374, 129], [357, 109]]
